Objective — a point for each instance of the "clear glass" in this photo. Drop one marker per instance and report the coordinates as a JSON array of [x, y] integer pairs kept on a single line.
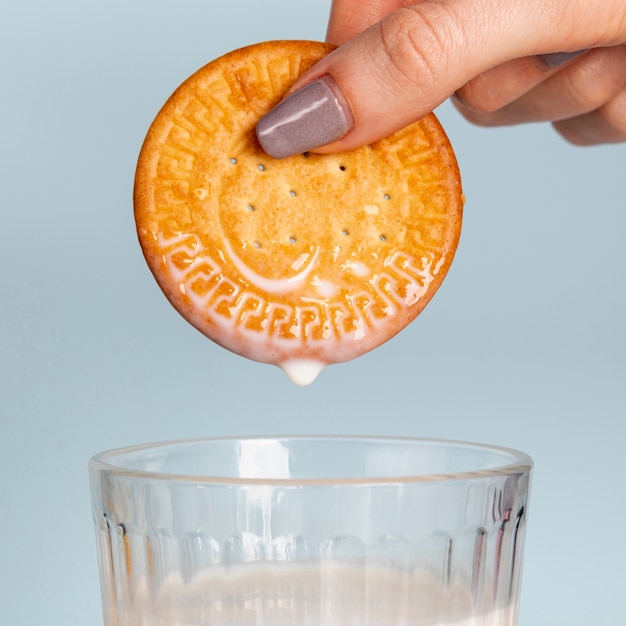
[[310, 531]]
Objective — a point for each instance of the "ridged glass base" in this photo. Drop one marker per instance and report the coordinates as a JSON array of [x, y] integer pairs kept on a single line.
[[372, 548]]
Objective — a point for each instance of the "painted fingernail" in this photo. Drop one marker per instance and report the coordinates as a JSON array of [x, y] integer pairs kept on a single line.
[[555, 59], [311, 117]]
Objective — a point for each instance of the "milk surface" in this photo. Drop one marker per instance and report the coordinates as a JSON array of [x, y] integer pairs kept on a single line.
[[297, 595]]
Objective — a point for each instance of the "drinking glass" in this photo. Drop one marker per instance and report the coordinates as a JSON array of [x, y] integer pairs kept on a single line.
[[310, 531]]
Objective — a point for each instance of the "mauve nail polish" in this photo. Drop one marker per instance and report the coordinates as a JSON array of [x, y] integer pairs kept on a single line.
[[555, 59], [311, 117]]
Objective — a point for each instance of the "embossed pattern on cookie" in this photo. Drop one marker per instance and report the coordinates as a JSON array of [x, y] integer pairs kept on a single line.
[[299, 262]]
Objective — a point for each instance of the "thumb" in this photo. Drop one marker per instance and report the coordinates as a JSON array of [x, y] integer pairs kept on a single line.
[[408, 63]]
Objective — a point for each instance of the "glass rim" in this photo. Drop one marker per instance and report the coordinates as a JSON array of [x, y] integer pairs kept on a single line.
[[520, 462]]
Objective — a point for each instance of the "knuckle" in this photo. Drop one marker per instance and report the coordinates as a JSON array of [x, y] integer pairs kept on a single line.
[[484, 119], [614, 115], [479, 96], [417, 44], [606, 124], [594, 83], [572, 134]]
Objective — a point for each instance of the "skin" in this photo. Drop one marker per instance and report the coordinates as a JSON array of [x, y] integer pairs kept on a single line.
[[398, 60]]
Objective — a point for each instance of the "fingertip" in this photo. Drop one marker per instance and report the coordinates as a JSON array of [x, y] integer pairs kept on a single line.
[[556, 59], [313, 116]]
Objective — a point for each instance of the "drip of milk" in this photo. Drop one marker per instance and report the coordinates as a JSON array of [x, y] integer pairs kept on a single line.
[[302, 371]]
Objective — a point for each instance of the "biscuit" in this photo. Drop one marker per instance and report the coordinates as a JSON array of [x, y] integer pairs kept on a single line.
[[299, 262]]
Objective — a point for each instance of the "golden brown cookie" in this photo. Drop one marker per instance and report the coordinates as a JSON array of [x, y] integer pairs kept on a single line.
[[299, 262]]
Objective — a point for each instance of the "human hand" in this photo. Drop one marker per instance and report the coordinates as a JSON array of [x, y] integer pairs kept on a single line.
[[505, 62]]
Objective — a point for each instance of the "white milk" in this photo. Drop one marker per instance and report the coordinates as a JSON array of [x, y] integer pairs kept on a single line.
[[296, 595], [308, 331]]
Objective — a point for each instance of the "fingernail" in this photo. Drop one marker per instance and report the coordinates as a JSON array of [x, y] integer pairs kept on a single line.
[[558, 58], [311, 117]]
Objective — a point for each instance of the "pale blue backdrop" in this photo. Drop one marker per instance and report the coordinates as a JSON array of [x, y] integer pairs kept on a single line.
[[523, 346]]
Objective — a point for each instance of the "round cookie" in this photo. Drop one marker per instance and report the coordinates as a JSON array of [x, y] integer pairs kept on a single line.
[[298, 262]]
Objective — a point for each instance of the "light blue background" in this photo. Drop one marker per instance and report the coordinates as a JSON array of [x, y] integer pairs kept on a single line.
[[523, 346]]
